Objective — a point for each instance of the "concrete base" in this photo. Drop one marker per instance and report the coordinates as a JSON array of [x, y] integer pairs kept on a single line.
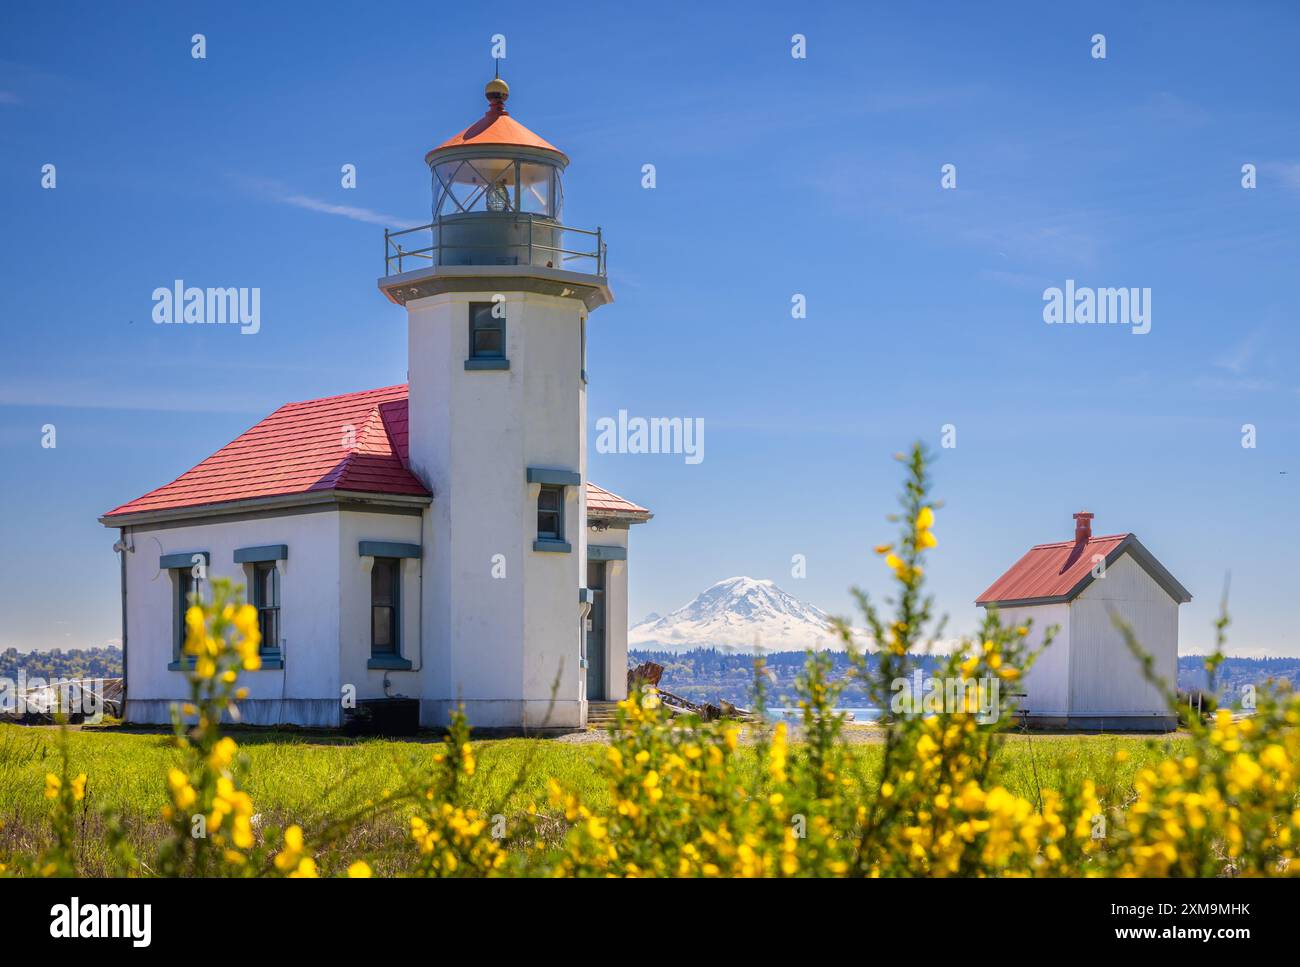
[[1103, 723], [511, 714], [309, 713]]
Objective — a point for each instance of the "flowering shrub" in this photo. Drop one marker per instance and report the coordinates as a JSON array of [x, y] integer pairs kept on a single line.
[[690, 798]]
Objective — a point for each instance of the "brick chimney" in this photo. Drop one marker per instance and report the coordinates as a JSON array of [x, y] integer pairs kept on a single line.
[[1082, 527]]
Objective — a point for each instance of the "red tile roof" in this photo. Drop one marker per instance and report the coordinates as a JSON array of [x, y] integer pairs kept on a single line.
[[1052, 573], [302, 448]]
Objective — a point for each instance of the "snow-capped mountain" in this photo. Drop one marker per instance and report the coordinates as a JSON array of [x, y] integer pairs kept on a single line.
[[741, 613]]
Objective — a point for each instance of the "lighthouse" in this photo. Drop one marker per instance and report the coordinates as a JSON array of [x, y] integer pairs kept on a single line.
[[497, 292]]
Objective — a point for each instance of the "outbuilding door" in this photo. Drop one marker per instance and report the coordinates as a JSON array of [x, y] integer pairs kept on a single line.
[[596, 632]]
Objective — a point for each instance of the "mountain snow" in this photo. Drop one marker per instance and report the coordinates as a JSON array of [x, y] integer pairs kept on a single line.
[[739, 613]]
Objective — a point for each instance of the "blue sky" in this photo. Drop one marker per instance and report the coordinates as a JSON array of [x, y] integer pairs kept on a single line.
[[775, 176]]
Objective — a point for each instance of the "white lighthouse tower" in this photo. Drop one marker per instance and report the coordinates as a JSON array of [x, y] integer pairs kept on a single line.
[[497, 293]]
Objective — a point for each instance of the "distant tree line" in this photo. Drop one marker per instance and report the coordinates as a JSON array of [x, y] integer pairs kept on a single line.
[[68, 663], [709, 674]]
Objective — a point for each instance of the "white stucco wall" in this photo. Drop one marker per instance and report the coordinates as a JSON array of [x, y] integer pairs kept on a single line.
[[507, 648], [1105, 678], [1047, 685], [309, 615]]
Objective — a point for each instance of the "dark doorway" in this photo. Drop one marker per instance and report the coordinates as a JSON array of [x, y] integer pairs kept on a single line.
[[596, 633]]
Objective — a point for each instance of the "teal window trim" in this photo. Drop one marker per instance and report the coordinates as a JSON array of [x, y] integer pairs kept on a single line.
[[481, 364], [547, 475], [270, 663], [550, 513], [185, 559], [553, 547], [183, 584], [389, 662], [262, 574], [387, 549], [257, 555], [606, 552]]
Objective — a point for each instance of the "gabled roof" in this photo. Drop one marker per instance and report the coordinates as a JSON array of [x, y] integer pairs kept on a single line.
[[354, 444], [1056, 573]]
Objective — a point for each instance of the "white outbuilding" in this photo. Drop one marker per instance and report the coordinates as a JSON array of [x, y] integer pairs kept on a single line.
[[1088, 678], [430, 544]]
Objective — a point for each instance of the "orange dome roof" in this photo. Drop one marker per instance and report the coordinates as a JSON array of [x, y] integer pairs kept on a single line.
[[496, 127]]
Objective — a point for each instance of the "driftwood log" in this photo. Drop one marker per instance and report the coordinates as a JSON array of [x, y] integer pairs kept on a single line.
[[645, 675]]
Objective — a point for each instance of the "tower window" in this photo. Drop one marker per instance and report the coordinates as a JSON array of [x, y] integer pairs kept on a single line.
[[487, 336], [550, 513]]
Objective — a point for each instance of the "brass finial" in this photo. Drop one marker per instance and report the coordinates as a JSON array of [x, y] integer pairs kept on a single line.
[[497, 91]]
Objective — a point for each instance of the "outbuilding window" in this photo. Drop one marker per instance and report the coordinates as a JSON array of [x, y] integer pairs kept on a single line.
[[384, 606], [187, 589], [188, 570], [266, 598]]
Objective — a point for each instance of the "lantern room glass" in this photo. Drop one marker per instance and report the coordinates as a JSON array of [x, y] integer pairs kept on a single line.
[[496, 185]]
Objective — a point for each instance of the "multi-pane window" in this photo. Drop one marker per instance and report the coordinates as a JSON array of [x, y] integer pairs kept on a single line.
[[266, 598], [550, 513], [487, 331], [186, 585], [384, 606]]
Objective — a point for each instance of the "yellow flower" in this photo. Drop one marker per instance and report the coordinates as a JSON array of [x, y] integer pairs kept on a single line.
[[925, 519], [223, 753], [79, 787], [52, 785], [359, 870]]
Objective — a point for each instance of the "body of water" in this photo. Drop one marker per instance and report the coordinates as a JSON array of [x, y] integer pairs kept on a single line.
[[795, 714]]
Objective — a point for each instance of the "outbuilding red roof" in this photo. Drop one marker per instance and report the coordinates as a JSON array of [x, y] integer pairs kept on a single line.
[[602, 503], [1059, 572], [354, 443]]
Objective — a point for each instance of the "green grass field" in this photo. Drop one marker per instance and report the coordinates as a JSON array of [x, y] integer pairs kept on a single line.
[[308, 779]]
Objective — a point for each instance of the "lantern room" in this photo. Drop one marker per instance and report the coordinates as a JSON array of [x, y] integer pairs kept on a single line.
[[498, 197]]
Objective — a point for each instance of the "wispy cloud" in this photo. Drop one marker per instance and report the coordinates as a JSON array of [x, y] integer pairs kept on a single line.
[[78, 395], [1237, 359], [1286, 172], [282, 194]]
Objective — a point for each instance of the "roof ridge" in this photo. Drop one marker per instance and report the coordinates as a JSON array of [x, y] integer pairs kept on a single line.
[[1095, 537], [340, 396]]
